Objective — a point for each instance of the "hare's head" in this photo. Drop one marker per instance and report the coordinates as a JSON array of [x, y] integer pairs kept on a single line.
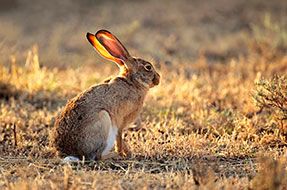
[[108, 46]]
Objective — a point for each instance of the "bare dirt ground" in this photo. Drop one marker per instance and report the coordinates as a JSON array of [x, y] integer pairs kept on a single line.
[[200, 128]]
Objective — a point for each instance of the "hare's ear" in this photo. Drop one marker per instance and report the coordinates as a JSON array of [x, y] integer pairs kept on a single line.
[[109, 46]]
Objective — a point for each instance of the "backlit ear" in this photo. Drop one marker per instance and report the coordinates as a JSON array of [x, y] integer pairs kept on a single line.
[[112, 45], [109, 46], [101, 50]]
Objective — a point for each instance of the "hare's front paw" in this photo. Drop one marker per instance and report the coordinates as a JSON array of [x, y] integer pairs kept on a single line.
[[125, 154], [125, 151]]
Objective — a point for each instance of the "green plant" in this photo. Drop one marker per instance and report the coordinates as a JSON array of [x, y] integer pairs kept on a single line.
[[272, 94]]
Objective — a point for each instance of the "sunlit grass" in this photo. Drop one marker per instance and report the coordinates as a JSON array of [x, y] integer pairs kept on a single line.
[[198, 111]]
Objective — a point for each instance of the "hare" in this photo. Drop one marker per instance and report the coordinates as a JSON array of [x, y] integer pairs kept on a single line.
[[91, 122]]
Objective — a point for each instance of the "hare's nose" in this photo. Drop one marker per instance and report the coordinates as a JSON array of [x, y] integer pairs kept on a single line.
[[156, 78]]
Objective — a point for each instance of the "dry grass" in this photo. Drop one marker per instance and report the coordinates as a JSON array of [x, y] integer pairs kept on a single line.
[[200, 129]]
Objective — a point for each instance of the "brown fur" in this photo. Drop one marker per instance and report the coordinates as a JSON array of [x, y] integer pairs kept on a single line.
[[81, 128]]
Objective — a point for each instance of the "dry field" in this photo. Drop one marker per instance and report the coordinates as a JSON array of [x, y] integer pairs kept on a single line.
[[216, 121]]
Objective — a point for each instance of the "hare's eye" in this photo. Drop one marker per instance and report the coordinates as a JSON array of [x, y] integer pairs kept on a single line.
[[147, 67]]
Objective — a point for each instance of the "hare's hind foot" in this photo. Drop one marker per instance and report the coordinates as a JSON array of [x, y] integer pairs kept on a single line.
[[71, 159]]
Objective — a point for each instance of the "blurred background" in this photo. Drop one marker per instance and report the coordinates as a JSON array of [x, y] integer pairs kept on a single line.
[[162, 30]]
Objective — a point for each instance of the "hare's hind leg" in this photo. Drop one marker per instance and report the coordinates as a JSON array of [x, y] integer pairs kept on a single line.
[[99, 137]]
